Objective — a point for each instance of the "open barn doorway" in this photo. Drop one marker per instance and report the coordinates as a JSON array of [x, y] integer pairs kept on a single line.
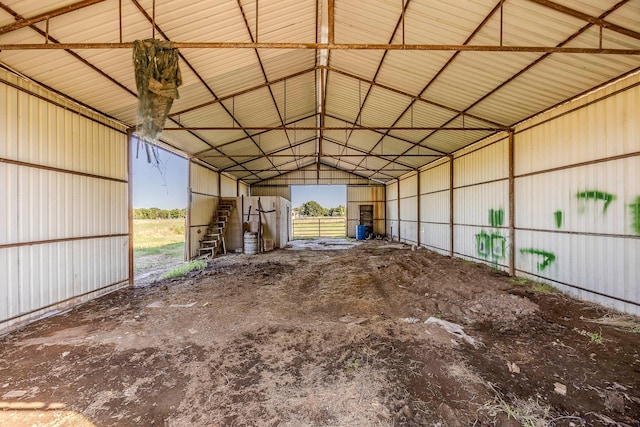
[[159, 211], [319, 211]]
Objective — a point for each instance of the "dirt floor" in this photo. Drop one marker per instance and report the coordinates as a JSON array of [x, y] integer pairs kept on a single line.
[[331, 337]]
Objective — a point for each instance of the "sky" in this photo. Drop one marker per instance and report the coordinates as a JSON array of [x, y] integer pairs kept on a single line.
[[168, 189], [155, 189], [329, 196]]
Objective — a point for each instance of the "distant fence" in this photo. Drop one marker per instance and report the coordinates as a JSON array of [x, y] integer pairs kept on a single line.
[[324, 226]]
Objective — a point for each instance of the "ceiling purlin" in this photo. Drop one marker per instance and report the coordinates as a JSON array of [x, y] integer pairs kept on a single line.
[[264, 73], [152, 21], [199, 153], [528, 67], [416, 98], [242, 92], [22, 22], [599, 21], [366, 153], [444, 67], [384, 55], [389, 136], [355, 170], [267, 155]]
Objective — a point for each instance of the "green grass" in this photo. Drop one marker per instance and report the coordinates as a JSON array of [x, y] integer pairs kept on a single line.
[[183, 270], [156, 233], [157, 243], [539, 287], [172, 249]]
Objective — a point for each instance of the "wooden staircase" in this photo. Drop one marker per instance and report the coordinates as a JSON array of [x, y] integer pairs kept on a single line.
[[213, 241]]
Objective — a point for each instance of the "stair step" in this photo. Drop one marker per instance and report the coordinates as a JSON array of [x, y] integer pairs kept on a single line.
[[213, 235], [210, 242]]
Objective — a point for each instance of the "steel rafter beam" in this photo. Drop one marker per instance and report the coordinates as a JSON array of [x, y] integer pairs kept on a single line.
[[497, 7], [254, 134], [528, 67], [399, 23], [264, 73], [242, 92], [414, 97], [26, 22], [586, 17], [357, 128], [155, 25], [394, 137], [342, 46], [274, 154], [368, 154]]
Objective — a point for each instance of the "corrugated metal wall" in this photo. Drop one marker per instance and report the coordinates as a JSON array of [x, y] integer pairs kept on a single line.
[[203, 202], [576, 197], [243, 189], [311, 176], [409, 208], [365, 195], [481, 202], [577, 193], [392, 211], [434, 206], [63, 176], [272, 190], [228, 187]]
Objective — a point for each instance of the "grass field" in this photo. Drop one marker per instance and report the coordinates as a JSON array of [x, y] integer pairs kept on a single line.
[[157, 242]]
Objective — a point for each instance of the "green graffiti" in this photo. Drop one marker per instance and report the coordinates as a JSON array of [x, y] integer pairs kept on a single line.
[[496, 217], [607, 198], [547, 257], [490, 245], [558, 216], [635, 215]]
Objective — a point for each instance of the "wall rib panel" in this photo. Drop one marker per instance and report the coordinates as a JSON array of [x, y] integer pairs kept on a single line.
[[64, 176]]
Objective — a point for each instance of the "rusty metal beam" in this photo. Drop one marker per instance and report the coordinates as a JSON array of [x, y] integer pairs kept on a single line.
[[341, 46], [591, 19], [322, 128], [188, 64], [315, 155], [242, 92], [416, 98], [25, 22]]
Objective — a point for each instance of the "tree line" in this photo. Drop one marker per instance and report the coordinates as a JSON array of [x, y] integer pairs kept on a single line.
[[313, 208], [157, 213]]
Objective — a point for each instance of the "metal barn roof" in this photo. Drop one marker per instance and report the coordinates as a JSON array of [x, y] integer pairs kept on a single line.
[[374, 88]]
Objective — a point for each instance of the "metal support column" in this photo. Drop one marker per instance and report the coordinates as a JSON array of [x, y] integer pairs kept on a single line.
[[512, 207]]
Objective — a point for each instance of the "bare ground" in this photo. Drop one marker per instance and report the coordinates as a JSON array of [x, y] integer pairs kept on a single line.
[[327, 338]]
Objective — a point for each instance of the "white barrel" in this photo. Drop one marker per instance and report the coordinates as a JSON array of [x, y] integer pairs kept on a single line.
[[250, 243]]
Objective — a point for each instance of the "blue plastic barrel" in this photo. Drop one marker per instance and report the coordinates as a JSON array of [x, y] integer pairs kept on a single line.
[[361, 232]]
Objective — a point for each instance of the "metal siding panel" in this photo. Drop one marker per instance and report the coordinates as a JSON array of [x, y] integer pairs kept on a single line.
[[44, 204], [436, 237], [280, 191], [409, 186], [409, 231], [434, 207], [602, 264], [472, 205], [589, 199], [435, 178], [9, 198], [486, 164], [603, 129], [409, 209], [495, 253], [204, 180], [229, 187], [244, 190]]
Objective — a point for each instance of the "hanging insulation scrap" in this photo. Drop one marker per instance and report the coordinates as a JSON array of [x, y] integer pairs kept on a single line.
[[157, 76]]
